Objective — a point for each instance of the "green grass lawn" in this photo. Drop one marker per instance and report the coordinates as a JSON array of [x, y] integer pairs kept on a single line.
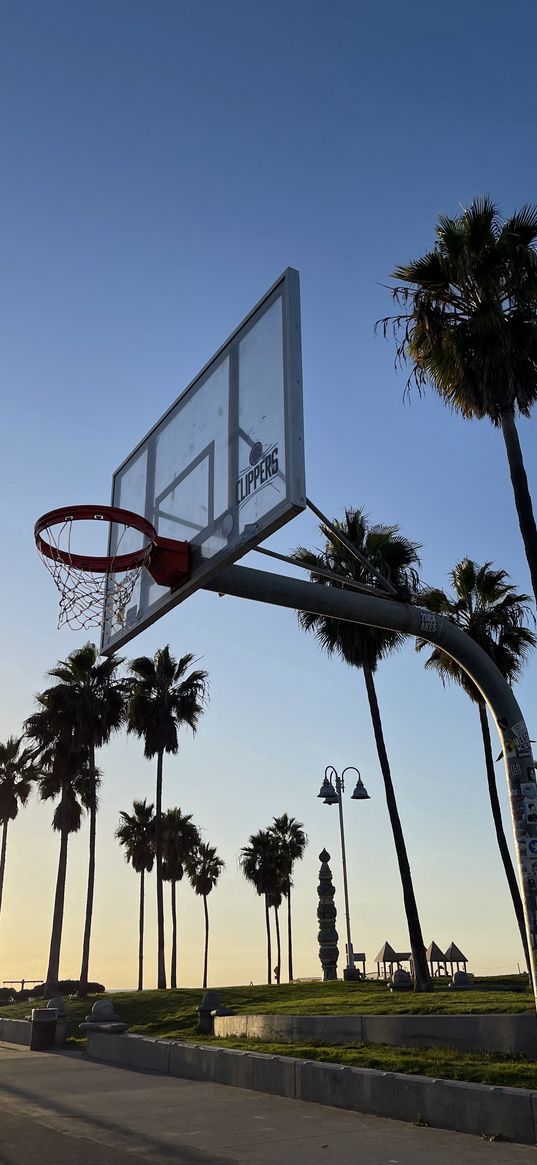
[[173, 1015]]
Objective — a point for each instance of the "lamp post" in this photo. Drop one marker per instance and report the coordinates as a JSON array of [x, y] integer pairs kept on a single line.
[[331, 795]]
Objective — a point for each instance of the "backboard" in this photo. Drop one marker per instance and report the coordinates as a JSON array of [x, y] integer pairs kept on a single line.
[[224, 467]]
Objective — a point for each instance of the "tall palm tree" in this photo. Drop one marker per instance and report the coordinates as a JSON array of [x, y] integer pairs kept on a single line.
[[63, 769], [90, 695], [293, 841], [364, 647], [180, 839], [17, 770], [136, 831], [493, 613], [467, 325], [275, 900], [204, 872], [260, 864], [163, 697]]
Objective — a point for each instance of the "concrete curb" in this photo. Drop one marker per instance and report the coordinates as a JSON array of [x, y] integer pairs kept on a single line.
[[509, 1113], [512, 1034]]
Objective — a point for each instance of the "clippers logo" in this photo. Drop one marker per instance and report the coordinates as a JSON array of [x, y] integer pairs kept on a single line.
[[262, 468]]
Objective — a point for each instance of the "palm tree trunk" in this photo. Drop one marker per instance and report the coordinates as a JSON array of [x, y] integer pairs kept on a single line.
[[269, 950], [521, 492], [161, 966], [173, 967], [500, 834], [206, 955], [84, 970], [417, 945], [289, 935], [141, 936], [51, 981], [3, 859], [278, 947]]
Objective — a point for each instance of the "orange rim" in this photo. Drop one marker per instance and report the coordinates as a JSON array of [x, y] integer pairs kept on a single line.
[[106, 564]]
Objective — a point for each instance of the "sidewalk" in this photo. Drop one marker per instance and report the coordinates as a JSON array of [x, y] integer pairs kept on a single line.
[[60, 1109]]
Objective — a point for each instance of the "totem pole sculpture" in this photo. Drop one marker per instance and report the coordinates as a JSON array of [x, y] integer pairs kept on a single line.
[[326, 914]]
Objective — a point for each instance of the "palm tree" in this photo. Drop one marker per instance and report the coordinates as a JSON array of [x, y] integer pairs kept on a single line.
[[136, 831], [492, 613], [17, 770], [89, 694], [293, 841], [260, 864], [362, 647], [162, 698], [63, 774], [204, 872], [275, 900], [180, 839], [468, 326]]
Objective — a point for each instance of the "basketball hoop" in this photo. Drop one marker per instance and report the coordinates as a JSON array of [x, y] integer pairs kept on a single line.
[[93, 588]]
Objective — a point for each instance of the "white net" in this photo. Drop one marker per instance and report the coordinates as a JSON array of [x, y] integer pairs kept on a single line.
[[90, 597]]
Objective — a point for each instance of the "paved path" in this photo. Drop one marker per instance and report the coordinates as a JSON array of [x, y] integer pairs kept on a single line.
[[61, 1109]]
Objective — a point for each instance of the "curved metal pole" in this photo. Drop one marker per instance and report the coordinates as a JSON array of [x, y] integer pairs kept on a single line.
[[300, 595]]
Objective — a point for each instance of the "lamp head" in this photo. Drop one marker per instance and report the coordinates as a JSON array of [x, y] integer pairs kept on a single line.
[[360, 792], [328, 793]]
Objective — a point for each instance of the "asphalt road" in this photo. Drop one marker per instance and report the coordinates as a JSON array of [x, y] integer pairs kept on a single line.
[[61, 1109]]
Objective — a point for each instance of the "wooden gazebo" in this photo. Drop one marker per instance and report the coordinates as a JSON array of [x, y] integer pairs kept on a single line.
[[436, 960], [388, 959], [454, 956]]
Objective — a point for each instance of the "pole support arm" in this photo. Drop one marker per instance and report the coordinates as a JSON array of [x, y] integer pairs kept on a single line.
[[333, 602]]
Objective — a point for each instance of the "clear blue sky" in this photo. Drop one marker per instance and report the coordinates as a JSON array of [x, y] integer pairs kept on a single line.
[[162, 164]]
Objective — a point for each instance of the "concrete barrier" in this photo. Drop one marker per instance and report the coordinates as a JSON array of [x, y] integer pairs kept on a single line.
[[445, 1104], [149, 1054], [259, 1072], [16, 1031], [195, 1062], [363, 1089], [510, 1113], [332, 1084], [317, 1028], [132, 1051], [515, 1034], [253, 1070], [109, 1048]]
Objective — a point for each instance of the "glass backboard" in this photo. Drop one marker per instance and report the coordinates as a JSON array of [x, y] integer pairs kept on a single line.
[[224, 467]]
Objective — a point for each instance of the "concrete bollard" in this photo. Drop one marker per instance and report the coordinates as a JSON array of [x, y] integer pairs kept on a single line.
[[210, 1002]]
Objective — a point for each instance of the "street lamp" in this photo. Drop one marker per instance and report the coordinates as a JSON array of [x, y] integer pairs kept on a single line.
[[331, 794]]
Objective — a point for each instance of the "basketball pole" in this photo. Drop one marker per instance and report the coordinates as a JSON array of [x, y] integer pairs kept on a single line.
[[299, 595]]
